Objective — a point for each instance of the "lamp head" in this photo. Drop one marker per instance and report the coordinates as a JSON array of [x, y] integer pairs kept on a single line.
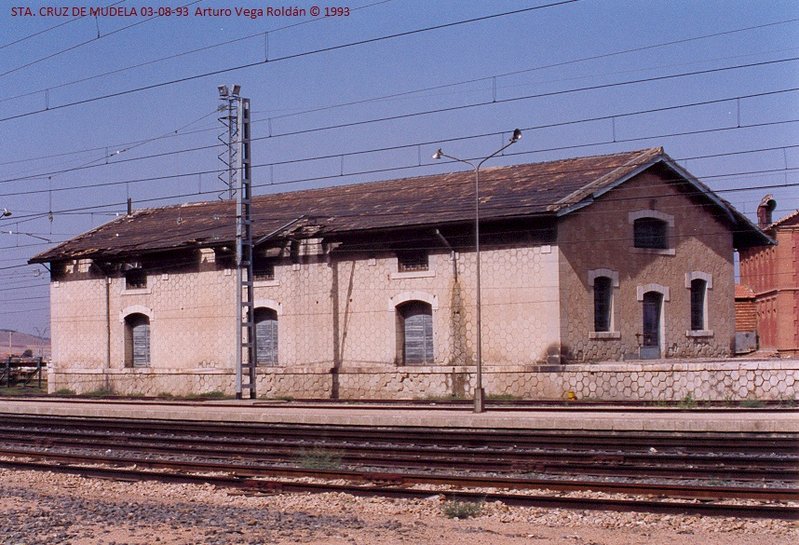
[[438, 154], [223, 91], [6, 212], [517, 135], [236, 90]]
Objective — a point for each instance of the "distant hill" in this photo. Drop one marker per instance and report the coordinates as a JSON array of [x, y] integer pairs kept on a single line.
[[15, 343]]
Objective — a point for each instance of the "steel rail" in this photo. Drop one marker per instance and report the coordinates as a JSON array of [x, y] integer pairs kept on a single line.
[[272, 487], [397, 479], [744, 442], [440, 404], [387, 456]]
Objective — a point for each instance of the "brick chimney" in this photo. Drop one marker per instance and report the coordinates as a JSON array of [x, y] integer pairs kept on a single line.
[[764, 210]]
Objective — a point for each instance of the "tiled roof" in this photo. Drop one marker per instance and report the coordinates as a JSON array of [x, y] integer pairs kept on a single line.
[[528, 190], [743, 291], [790, 219]]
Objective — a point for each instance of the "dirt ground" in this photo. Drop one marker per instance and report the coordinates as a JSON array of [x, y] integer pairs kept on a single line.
[[38, 508]]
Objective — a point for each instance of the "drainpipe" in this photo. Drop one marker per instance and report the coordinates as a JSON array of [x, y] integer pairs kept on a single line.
[[107, 365]]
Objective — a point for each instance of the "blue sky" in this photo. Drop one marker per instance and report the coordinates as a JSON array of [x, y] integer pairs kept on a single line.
[[575, 76]]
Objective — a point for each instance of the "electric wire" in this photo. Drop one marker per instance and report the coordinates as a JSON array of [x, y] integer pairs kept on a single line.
[[608, 117], [284, 58], [81, 44]]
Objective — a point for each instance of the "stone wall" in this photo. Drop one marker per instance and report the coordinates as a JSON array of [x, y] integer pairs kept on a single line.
[[675, 381]]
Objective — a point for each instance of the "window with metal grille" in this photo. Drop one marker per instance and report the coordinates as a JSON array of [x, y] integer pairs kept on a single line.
[[603, 293], [415, 329], [137, 340], [698, 293], [263, 270], [265, 336], [412, 261], [650, 233], [135, 279]]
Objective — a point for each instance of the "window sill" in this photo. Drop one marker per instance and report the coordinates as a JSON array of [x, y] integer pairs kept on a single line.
[[605, 335], [413, 274], [699, 333], [137, 291], [654, 251], [265, 283]]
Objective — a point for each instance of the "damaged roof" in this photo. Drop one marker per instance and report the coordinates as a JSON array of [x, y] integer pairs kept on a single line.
[[530, 190]]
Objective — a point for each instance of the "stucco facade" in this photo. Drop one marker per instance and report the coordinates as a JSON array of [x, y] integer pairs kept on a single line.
[[337, 300], [598, 240]]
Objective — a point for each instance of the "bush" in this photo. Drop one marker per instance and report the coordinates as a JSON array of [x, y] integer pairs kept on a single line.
[[461, 509]]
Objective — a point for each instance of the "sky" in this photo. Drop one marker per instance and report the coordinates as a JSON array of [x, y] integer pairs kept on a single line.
[[98, 109]]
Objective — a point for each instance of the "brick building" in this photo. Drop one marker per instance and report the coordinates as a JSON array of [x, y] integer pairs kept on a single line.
[[368, 290], [772, 273]]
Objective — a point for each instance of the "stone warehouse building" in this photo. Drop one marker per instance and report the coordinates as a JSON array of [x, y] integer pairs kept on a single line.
[[368, 290]]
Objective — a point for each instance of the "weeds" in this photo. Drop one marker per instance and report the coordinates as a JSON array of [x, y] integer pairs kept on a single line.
[[216, 394], [100, 392], [320, 458], [65, 392], [688, 402], [461, 509]]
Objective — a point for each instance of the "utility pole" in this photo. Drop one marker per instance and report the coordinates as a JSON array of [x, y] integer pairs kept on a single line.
[[239, 183]]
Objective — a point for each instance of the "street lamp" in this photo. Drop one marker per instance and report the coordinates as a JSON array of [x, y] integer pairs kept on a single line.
[[479, 393], [5, 213]]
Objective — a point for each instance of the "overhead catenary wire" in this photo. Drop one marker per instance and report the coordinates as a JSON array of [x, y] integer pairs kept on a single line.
[[185, 53], [394, 95], [607, 117], [86, 42], [287, 57]]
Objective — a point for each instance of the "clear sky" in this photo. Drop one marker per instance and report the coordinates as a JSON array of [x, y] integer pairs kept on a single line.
[[79, 135]]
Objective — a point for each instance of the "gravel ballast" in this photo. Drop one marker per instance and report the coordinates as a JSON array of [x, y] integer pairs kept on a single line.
[[43, 508]]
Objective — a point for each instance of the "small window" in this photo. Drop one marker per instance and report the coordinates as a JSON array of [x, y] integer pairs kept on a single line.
[[698, 293], [650, 233], [603, 293], [263, 270], [412, 261], [135, 279]]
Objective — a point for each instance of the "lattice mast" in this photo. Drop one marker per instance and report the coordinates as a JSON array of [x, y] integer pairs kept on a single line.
[[237, 160]]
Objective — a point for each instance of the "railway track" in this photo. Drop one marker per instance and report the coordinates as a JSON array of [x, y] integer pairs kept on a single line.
[[376, 487], [459, 463]]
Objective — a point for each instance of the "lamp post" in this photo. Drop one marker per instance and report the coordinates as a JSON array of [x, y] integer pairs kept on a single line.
[[479, 393]]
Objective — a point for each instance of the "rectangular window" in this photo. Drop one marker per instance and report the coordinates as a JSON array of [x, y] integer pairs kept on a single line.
[[412, 261], [135, 279], [602, 303], [650, 233], [698, 289], [263, 271]]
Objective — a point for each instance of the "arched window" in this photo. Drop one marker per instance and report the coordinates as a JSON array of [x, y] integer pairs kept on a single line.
[[650, 233], [698, 308], [603, 298], [266, 336], [415, 332], [137, 340]]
